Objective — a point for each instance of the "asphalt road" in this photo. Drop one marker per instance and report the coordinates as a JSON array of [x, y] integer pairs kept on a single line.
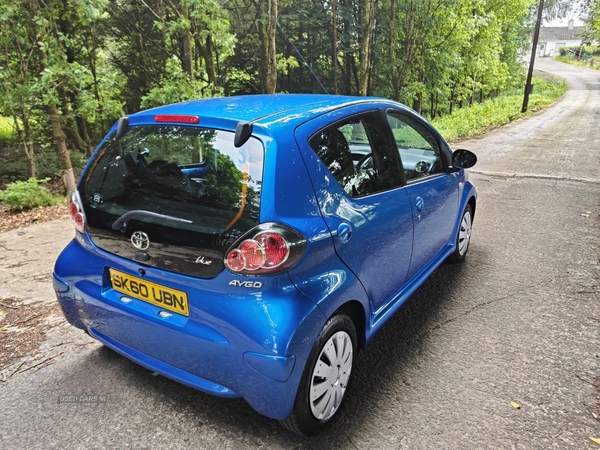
[[518, 321]]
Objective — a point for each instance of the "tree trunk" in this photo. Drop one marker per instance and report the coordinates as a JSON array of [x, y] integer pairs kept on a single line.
[[401, 75], [57, 132], [25, 137], [207, 51], [391, 53], [31, 171], [267, 31], [418, 103], [334, 47], [89, 149], [68, 96], [61, 148], [77, 130], [367, 22], [263, 53], [187, 57], [354, 73], [348, 55], [348, 73], [271, 81], [77, 143], [97, 94]]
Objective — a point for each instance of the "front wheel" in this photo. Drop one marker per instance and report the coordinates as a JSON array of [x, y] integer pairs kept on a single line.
[[463, 237], [326, 377]]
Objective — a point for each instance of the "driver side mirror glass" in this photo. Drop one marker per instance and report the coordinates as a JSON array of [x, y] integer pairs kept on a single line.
[[463, 159]]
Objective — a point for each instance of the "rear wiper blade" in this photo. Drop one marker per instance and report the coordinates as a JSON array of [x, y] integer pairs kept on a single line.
[[121, 223]]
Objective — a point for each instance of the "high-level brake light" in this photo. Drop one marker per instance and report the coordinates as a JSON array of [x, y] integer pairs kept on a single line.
[[176, 118]]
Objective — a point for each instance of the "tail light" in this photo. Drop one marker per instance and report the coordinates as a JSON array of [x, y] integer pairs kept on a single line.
[[267, 249], [76, 212]]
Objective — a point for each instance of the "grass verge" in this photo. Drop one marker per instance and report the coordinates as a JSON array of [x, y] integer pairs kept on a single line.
[[591, 63], [481, 117]]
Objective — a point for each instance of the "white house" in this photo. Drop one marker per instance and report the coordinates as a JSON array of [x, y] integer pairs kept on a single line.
[[552, 38]]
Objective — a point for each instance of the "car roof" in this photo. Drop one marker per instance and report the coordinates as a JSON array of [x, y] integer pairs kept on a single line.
[[265, 109]]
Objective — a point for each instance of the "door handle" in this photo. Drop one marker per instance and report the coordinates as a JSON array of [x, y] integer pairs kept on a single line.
[[419, 203], [344, 232]]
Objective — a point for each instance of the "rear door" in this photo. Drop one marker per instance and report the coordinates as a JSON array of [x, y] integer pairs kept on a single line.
[[356, 173]]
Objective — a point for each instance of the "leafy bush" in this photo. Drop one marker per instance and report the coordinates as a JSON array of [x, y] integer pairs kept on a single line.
[[590, 56], [589, 51], [25, 195]]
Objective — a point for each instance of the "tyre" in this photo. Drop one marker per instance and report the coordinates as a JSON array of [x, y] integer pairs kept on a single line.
[[326, 377], [463, 237]]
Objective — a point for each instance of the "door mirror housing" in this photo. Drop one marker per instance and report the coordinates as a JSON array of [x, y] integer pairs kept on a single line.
[[463, 159]]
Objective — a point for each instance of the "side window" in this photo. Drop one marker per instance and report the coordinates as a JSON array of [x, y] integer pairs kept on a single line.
[[418, 148], [358, 154]]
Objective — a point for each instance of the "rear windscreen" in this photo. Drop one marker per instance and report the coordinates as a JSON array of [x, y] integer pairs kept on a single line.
[[179, 177]]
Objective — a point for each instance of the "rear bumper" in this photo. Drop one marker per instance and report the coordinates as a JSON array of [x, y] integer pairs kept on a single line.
[[164, 369], [236, 342]]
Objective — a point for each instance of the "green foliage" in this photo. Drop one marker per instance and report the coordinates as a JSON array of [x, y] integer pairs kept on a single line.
[[587, 52], [466, 122], [6, 130], [592, 20], [175, 87], [145, 38], [284, 65], [95, 60], [590, 56], [26, 195], [437, 55]]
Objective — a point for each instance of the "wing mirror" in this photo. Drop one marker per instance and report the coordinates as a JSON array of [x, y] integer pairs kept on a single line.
[[463, 159]]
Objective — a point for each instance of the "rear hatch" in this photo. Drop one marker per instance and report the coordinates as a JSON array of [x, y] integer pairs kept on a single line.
[[173, 197]]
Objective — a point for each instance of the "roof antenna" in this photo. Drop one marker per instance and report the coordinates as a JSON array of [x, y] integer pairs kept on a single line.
[[302, 58]]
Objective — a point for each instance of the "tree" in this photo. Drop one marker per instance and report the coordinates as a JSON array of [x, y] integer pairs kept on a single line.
[[367, 22], [45, 46], [147, 35], [17, 80], [592, 21]]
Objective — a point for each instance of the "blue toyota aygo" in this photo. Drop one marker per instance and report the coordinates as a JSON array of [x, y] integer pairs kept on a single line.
[[250, 246]]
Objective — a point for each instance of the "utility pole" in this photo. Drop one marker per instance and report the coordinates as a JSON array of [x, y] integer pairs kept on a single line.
[[536, 35]]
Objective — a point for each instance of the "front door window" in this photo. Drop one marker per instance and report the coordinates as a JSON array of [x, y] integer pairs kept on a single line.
[[418, 148]]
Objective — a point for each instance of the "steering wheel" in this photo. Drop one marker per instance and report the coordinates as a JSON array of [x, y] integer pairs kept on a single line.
[[366, 162]]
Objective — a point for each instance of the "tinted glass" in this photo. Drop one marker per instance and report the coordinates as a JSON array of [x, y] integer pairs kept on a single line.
[[418, 148], [189, 189], [358, 154]]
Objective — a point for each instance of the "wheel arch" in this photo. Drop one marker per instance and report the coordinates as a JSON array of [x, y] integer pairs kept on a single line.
[[472, 202], [354, 309]]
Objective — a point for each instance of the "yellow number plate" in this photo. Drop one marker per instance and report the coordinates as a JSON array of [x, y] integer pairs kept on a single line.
[[158, 295]]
